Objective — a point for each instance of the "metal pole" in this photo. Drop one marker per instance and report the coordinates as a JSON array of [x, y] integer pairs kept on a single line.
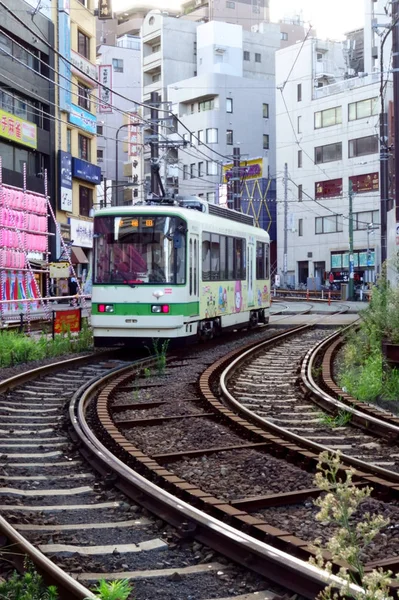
[[236, 179], [154, 143], [351, 258], [117, 160], [384, 155], [395, 68], [285, 222], [368, 253]]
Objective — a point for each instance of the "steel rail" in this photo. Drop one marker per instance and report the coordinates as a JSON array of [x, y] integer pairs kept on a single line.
[[270, 562], [362, 467]]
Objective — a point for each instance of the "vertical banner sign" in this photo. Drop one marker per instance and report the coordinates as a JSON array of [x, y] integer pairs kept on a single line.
[[134, 133], [64, 40], [105, 9], [105, 83], [397, 234], [66, 181]]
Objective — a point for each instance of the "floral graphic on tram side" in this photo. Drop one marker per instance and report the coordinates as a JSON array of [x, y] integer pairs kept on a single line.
[[263, 295], [222, 299], [237, 297]]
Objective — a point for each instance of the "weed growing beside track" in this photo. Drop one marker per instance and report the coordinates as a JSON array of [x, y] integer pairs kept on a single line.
[[16, 348], [363, 372]]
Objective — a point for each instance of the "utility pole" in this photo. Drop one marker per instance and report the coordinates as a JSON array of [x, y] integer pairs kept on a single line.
[[285, 222], [351, 258], [154, 101], [395, 68], [236, 179]]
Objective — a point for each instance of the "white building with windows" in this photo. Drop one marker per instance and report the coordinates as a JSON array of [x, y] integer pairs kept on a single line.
[[328, 136], [124, 71]]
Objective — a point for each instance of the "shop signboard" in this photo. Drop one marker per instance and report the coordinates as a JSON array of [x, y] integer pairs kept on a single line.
[[81, 233], [104, 9], [64, 43], [81, 169], [65, 181], [105, 85], [67, 320], [18, 130], [84, 69], [83, 118], [249, 169]]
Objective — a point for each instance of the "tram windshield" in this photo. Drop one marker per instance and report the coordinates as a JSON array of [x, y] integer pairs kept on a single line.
[[139, 249]]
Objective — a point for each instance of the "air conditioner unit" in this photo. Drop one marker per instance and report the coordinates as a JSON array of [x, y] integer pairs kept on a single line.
[[310, 254]]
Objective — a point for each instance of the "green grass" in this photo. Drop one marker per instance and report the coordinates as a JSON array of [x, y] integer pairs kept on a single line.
[[17, 348], [28, 586], [340, 420]]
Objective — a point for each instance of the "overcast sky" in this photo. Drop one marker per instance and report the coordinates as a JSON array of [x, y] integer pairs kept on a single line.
[[331, 19]]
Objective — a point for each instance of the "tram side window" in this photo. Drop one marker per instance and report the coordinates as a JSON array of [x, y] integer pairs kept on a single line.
[[206, 256], [239, 258], [195, 267], [230, 258], [262, 261], [191, 266], [215, 257], [223, 258]]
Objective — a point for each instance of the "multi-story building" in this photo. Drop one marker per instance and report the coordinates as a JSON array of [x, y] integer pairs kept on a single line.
[[27, 140], [328, 137], [238, 12], [78, 173], [121, 65], [213, 106]]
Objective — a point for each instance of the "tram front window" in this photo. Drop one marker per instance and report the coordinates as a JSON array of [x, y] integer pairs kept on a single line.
[[139, 250]]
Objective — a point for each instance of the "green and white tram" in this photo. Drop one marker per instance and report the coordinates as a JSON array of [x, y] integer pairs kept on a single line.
[[168, 271]]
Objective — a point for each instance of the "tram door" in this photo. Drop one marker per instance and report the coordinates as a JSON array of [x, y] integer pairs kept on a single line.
[[193, 262]]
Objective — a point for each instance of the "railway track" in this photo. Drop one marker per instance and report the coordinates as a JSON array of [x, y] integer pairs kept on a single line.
[[85, 523]]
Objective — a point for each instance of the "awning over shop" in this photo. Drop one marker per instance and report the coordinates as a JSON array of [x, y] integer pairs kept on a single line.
[[78, 256]]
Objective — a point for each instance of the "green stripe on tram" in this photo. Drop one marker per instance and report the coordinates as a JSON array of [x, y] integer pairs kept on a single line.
[[187, 309]]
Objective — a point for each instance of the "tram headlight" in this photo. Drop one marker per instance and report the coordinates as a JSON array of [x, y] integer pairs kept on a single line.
[[156, 308], [105, 308]]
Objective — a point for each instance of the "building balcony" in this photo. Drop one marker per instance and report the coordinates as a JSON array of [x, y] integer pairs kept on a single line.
[[345, 85], [152, 60]]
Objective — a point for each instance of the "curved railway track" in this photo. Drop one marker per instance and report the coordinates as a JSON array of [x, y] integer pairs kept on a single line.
[[87, 526]]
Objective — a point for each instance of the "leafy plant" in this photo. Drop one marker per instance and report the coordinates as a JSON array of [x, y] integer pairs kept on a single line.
[[337, 506], [28, 586], [160, 350], [147, 372], [340, 420], [113, 590]]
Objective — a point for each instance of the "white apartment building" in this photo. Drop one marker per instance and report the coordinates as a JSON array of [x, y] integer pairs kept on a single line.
[[230, 102], [121, 65], [328, 135]]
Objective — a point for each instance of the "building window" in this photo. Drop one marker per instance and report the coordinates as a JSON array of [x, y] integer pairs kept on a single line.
[[362, 109], [100, 129], [156, 77], [362, 220], [265, 141], [247, 55], [328, 189], [299, 124], [84, 96], [258, 57], [230, 4], [83, 44], [192, 170], [299, 92], [300, 192], [229, 137], [201, 137], [265, 111], [327, 118], [186, 137], [192, 107], [200, 169], [85, 200], [229, 105], [84, 147], [299, 159], [156, 48], [211, 197], [284, 36], [300, 227], [211, 168], [69, 140], [117, 65], [206, 105], [330, 224], [328, 153], [212, 136], [100, 155], [185, 171], [365, 183], [364, 145]]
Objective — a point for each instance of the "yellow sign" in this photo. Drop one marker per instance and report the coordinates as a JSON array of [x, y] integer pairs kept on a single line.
[[16, 129], [60, 269], [249, 169]]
